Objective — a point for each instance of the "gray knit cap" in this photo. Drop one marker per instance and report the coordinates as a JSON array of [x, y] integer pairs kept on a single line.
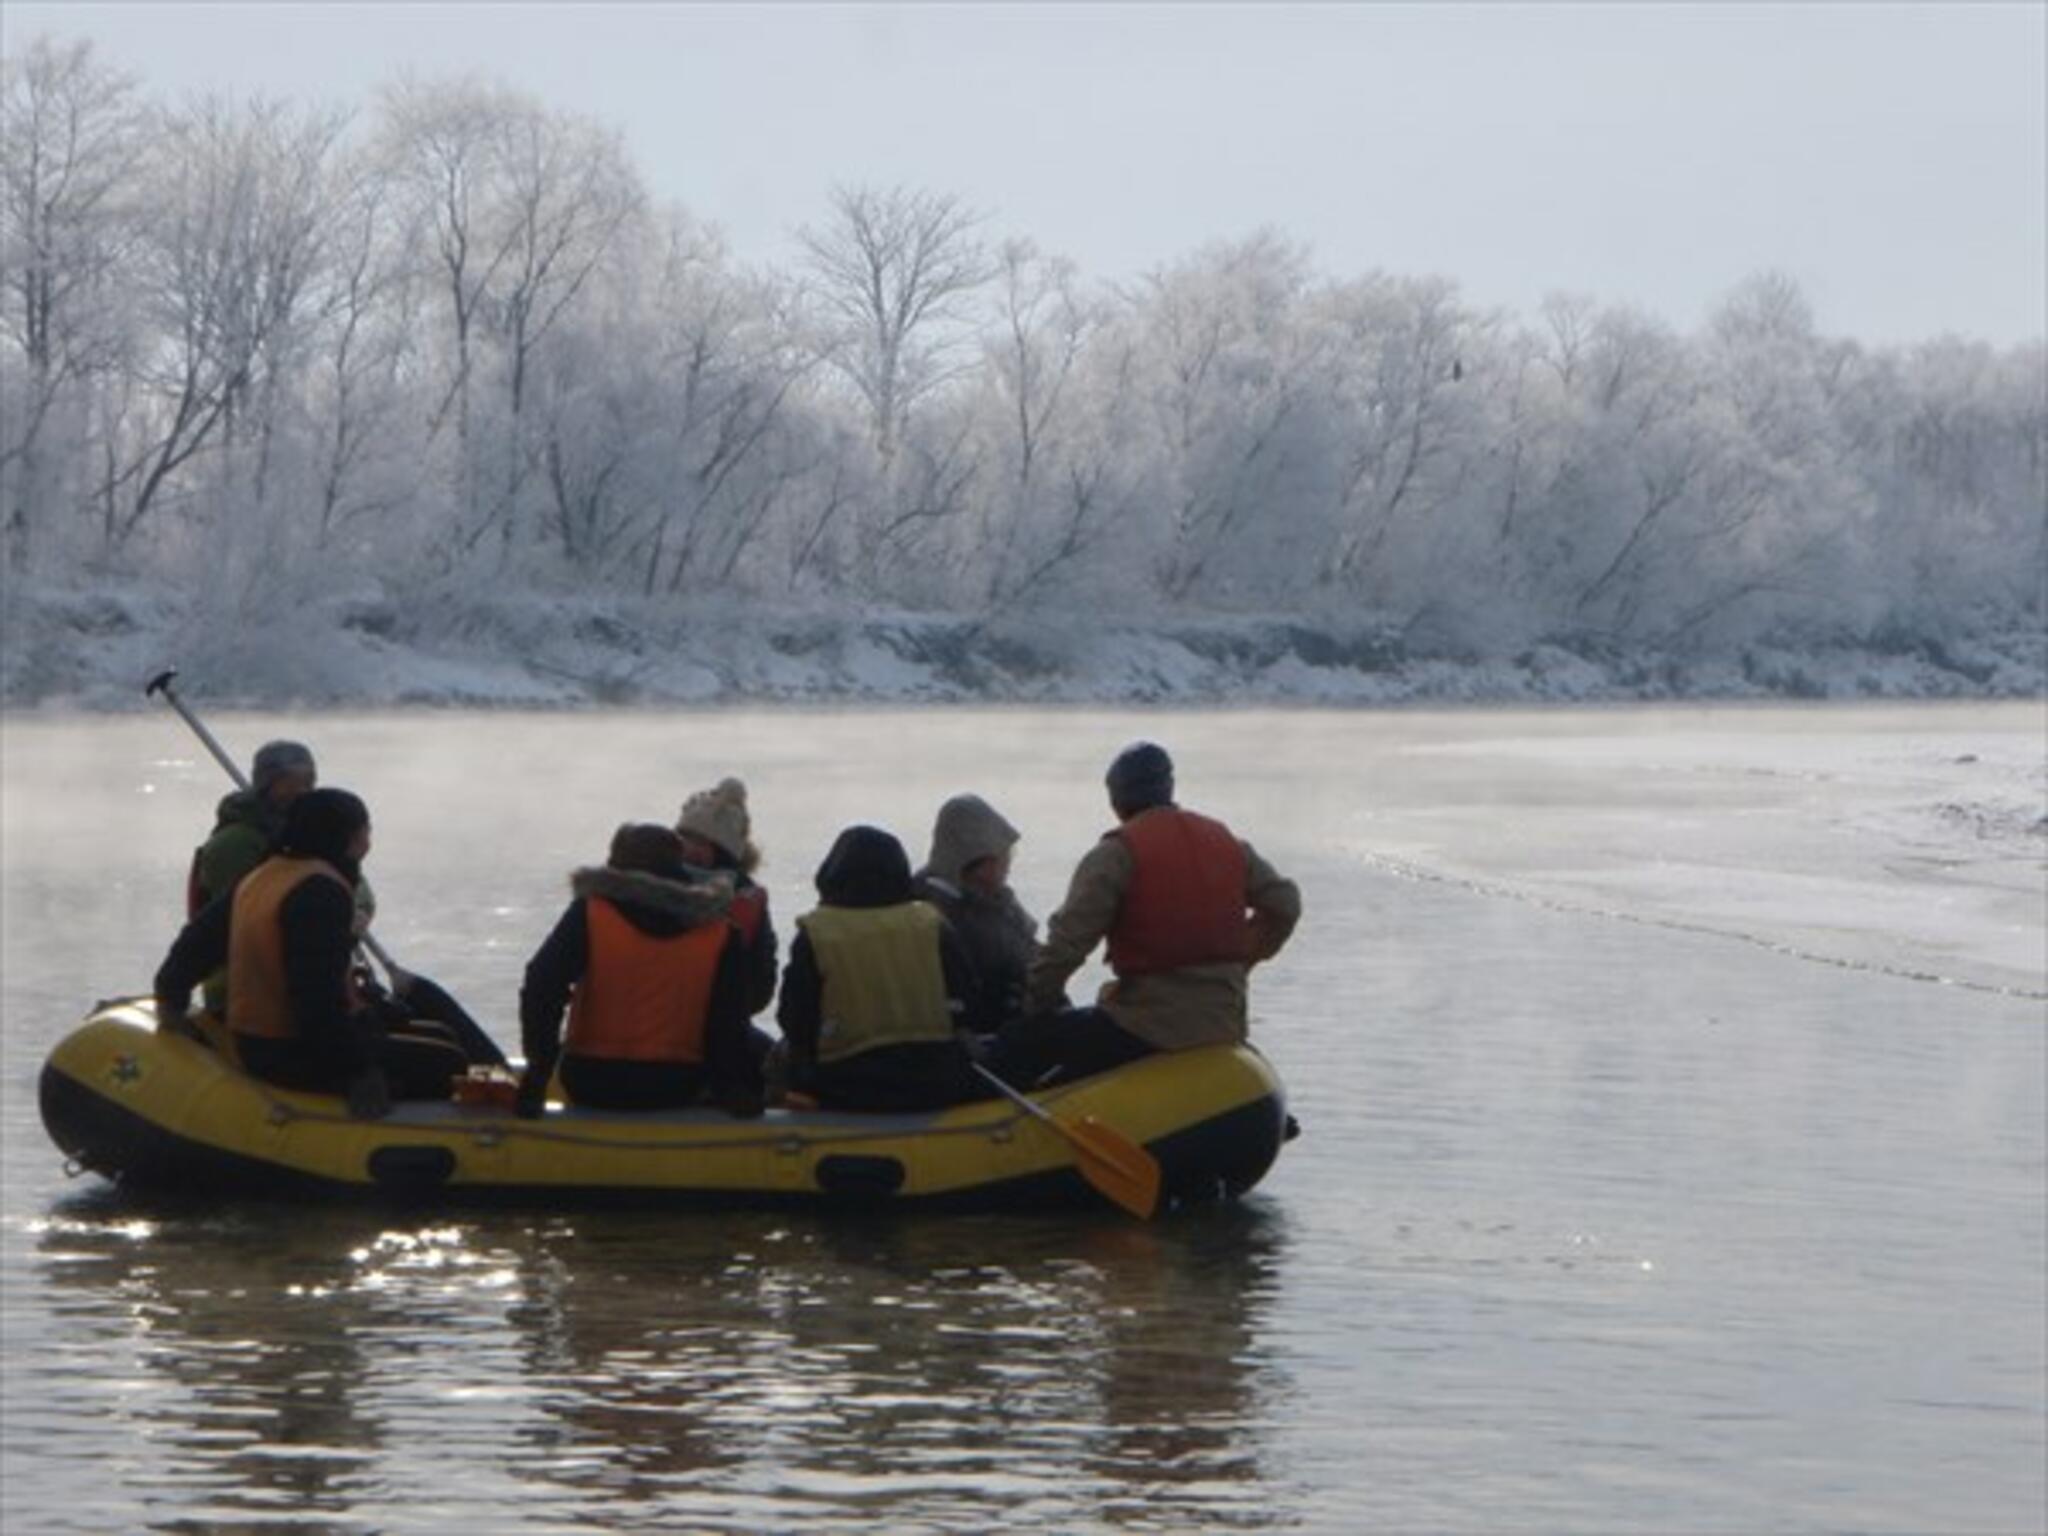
[[275, 759]]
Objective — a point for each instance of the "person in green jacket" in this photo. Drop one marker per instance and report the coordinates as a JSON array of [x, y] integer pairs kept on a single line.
[[247, 824]]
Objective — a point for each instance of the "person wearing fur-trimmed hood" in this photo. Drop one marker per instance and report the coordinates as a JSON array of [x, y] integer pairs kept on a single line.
[[645, 962], [718, 835], [967, 877]]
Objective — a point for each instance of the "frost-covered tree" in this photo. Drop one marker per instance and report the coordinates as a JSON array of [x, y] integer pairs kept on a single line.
[[70, 130], [893, 271]]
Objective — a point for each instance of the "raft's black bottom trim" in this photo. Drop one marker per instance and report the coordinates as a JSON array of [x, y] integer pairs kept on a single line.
[[1217, 1159]]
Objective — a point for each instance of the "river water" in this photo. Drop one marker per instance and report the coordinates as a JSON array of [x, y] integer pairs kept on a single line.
[[1673, 1092]]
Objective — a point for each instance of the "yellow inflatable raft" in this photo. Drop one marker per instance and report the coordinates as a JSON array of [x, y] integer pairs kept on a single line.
[[161, 1111]]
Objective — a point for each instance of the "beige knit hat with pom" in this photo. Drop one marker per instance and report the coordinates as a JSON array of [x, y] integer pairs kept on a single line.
[[719, 816]]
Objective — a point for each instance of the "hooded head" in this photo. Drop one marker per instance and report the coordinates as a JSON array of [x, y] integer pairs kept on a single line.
[[867, 867], [967, 831], [718, 816], [322, 824], [1139, 779]]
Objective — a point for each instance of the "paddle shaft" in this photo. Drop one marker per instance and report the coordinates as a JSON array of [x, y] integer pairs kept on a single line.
[[1018, 1099], [161, 683]]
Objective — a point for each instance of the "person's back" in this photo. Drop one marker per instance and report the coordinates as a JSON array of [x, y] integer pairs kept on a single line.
[[872, 996], [1186, 909], [967, 879], [646, 961]]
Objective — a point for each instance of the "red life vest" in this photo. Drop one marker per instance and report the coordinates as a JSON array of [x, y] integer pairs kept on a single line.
[[1185, 904], [643, 997]]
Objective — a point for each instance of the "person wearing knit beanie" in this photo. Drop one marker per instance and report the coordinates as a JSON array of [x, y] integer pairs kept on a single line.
[[718, 834], [717, 820]]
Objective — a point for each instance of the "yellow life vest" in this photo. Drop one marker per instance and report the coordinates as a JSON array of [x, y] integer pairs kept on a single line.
[[882, 980], [258, 1001]]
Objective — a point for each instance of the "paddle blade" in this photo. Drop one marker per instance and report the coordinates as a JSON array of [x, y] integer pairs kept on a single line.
[[1116, 1165]]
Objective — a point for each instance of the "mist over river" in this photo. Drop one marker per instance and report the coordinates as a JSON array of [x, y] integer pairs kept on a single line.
[[1672, 1083]]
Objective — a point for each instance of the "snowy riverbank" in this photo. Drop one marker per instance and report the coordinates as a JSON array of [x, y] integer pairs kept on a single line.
[[93, 650]]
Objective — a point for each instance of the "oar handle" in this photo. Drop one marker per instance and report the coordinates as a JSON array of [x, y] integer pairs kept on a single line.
[[161, 683]]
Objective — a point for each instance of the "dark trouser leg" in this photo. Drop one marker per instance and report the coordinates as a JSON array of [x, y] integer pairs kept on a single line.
[[598, 1082], [419, 1066], [1078, 1042], [425, 999], [900, 1079]]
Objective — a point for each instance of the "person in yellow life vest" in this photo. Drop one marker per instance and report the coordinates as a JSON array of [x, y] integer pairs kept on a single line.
[[647, 962], [296, 1015], [1187, 909], [873, 996]]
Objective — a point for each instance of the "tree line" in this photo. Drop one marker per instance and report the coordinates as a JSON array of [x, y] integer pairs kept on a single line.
[[448, 345]]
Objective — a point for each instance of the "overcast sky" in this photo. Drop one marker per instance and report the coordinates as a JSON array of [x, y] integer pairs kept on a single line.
[[1893, 158]]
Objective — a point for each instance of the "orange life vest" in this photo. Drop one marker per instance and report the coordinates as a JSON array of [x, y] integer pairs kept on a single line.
[[643, 997], [1185, 904], [258, 1000]]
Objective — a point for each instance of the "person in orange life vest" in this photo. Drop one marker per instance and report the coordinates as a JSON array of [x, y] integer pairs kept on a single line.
[[296, 1015], [717, 835], [872, 1001], [645, 962], [246, 833], [1187, 909]]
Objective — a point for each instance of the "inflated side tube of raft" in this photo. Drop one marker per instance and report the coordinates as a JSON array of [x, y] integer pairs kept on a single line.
[[160, 1111]]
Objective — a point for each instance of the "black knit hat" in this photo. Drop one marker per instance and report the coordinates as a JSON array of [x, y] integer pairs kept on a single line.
[[1140, 778], [321, 823]]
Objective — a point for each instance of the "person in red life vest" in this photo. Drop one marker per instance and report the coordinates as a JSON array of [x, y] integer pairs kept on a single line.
[[717, 834], [1187, 909], [646, 961], [296, 1013], [873, 996]]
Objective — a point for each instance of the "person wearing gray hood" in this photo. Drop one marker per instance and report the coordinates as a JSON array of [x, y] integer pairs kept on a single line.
[[967, 877]]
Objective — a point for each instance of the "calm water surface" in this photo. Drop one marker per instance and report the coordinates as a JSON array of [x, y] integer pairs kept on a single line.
[[1594, 1227]]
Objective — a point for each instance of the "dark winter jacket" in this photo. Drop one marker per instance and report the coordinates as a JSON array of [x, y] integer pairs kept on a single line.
[[759, 955]]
